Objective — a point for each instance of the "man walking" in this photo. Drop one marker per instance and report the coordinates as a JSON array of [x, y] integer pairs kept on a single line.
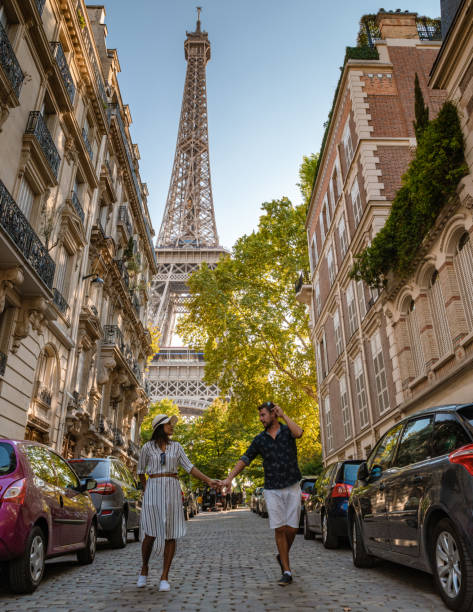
[[277, 446]]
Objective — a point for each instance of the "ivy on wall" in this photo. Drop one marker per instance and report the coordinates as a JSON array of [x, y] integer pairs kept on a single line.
[[430, 180]]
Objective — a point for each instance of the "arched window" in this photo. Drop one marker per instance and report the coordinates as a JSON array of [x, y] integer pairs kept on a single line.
[[414, 339], [439, 316], [463, 263], [46, 376]]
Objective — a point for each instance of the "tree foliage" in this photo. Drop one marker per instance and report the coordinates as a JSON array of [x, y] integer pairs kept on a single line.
[[420, 109], [307, 171], [255, 336], [431, 179]]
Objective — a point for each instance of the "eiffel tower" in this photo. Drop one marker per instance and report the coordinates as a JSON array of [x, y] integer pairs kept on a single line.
[[187, 238]]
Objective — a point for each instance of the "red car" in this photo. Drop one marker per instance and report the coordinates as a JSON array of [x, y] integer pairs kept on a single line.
[[44, 512]]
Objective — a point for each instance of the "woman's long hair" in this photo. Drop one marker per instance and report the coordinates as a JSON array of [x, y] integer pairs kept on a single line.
[[160, 436]]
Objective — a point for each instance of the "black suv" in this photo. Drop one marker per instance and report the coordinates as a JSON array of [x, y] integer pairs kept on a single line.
[[413, 500]]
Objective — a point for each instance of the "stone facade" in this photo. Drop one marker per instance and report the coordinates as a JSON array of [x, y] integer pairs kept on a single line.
[[383, 355], [76, 253]]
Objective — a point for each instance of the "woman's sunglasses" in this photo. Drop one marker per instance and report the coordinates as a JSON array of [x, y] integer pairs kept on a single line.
[[162, 458]]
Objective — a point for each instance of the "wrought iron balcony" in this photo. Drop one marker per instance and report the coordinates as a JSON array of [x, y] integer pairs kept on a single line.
[[60, 302], [124, 218], [45, 395], [9, 63], [3, 363], [58, 54], [37, 126], [429, 30], [77, 206], [87, 144], [113, 335], [123, 271], [90, 50], [16, 225]]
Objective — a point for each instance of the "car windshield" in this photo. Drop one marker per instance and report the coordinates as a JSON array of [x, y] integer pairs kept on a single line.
[[7, 459], [90, 468], [350, 470], [307, 484]]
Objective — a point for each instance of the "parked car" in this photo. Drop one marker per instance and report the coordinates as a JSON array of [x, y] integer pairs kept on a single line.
[[117, 497], [45, 511], [412, 503], [327, 505], [254, 499], [306, 483], [262, 507]]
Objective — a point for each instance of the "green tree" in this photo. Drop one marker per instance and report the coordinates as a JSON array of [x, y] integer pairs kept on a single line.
[[307, 171], [420, 109], [164, 406], [254, 334]]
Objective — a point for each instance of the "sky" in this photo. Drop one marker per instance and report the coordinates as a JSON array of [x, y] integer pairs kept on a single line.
[[270, 84]]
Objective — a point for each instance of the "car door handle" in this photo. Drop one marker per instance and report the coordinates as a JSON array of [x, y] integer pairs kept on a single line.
[[382, 486]]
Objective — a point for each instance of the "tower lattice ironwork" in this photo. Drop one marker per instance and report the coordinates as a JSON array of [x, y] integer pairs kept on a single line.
[[187, 238]]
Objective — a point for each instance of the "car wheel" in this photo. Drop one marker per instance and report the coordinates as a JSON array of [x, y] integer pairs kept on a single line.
[[360, 557], [87, 554], [25, 573], [308, 534], [118, 537], [329, 539], [136, 534], [452, 567]]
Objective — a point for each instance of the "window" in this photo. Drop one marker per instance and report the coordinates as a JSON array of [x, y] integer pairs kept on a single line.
[[318, 304], [414, 338], [380, 373], [332, 200], [360, 292], [347, 144], [342, 234], [63, 271], [328, 424], [65, 475], [439, 316], [463, 264], [323, 356], [25, 198], [40, 463], [361, 399], [318, 362], [345, 408], [448, 435], [322, 228], [338, 333], [415, 442], [356, 202], [331, 266], [352, 322], [384, 450], [313, 254]]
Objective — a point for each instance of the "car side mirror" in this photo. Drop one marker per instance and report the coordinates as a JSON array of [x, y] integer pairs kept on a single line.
[[376, 472], [363, 471]]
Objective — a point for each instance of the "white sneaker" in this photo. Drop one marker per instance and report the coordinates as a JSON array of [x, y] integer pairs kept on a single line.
[[141, 582], [164, 585]]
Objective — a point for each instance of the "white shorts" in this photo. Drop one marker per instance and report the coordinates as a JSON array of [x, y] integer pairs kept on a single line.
[[284, 506]]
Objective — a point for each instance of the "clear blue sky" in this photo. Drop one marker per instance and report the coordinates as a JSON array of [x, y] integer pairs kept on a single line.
[[270, 84]]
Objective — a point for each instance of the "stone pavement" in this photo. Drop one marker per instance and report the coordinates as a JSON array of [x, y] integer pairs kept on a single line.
[[227, 562]]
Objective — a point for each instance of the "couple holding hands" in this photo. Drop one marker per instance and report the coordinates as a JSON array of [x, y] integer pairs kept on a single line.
[[162, 518]]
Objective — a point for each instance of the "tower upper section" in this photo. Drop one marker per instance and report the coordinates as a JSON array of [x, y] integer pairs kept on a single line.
[[189, 218]]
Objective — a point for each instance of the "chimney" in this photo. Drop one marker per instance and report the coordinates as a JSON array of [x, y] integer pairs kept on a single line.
[[397, 25]]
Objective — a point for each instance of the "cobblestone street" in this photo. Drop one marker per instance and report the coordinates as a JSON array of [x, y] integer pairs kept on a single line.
[[227, 562]]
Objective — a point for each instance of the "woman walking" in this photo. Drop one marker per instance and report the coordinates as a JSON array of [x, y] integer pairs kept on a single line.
[[162, 516]]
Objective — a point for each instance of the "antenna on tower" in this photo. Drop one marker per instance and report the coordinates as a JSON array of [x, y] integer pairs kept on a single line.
[[199, 8]]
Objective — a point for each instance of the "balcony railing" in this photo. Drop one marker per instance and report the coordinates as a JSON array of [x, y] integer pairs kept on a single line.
[[123, 271], [77, 206], [430, 30], [3, 363], [113, 335], [179, 354], [87, 144], [40, 6], [90, 50], [58, 54], [37, 126], [16, 225], [124, 217], [60, 302], [9, 63]]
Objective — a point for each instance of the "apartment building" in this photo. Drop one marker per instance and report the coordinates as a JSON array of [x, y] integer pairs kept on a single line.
[[76, 252], [363, 352]]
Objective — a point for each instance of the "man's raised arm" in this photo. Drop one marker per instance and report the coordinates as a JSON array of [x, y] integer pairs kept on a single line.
[[293, 427]]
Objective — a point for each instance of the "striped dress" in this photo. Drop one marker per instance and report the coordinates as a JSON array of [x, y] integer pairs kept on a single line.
[[161, 513]]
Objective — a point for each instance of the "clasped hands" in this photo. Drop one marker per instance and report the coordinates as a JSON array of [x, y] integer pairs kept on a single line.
[[220, 484]]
